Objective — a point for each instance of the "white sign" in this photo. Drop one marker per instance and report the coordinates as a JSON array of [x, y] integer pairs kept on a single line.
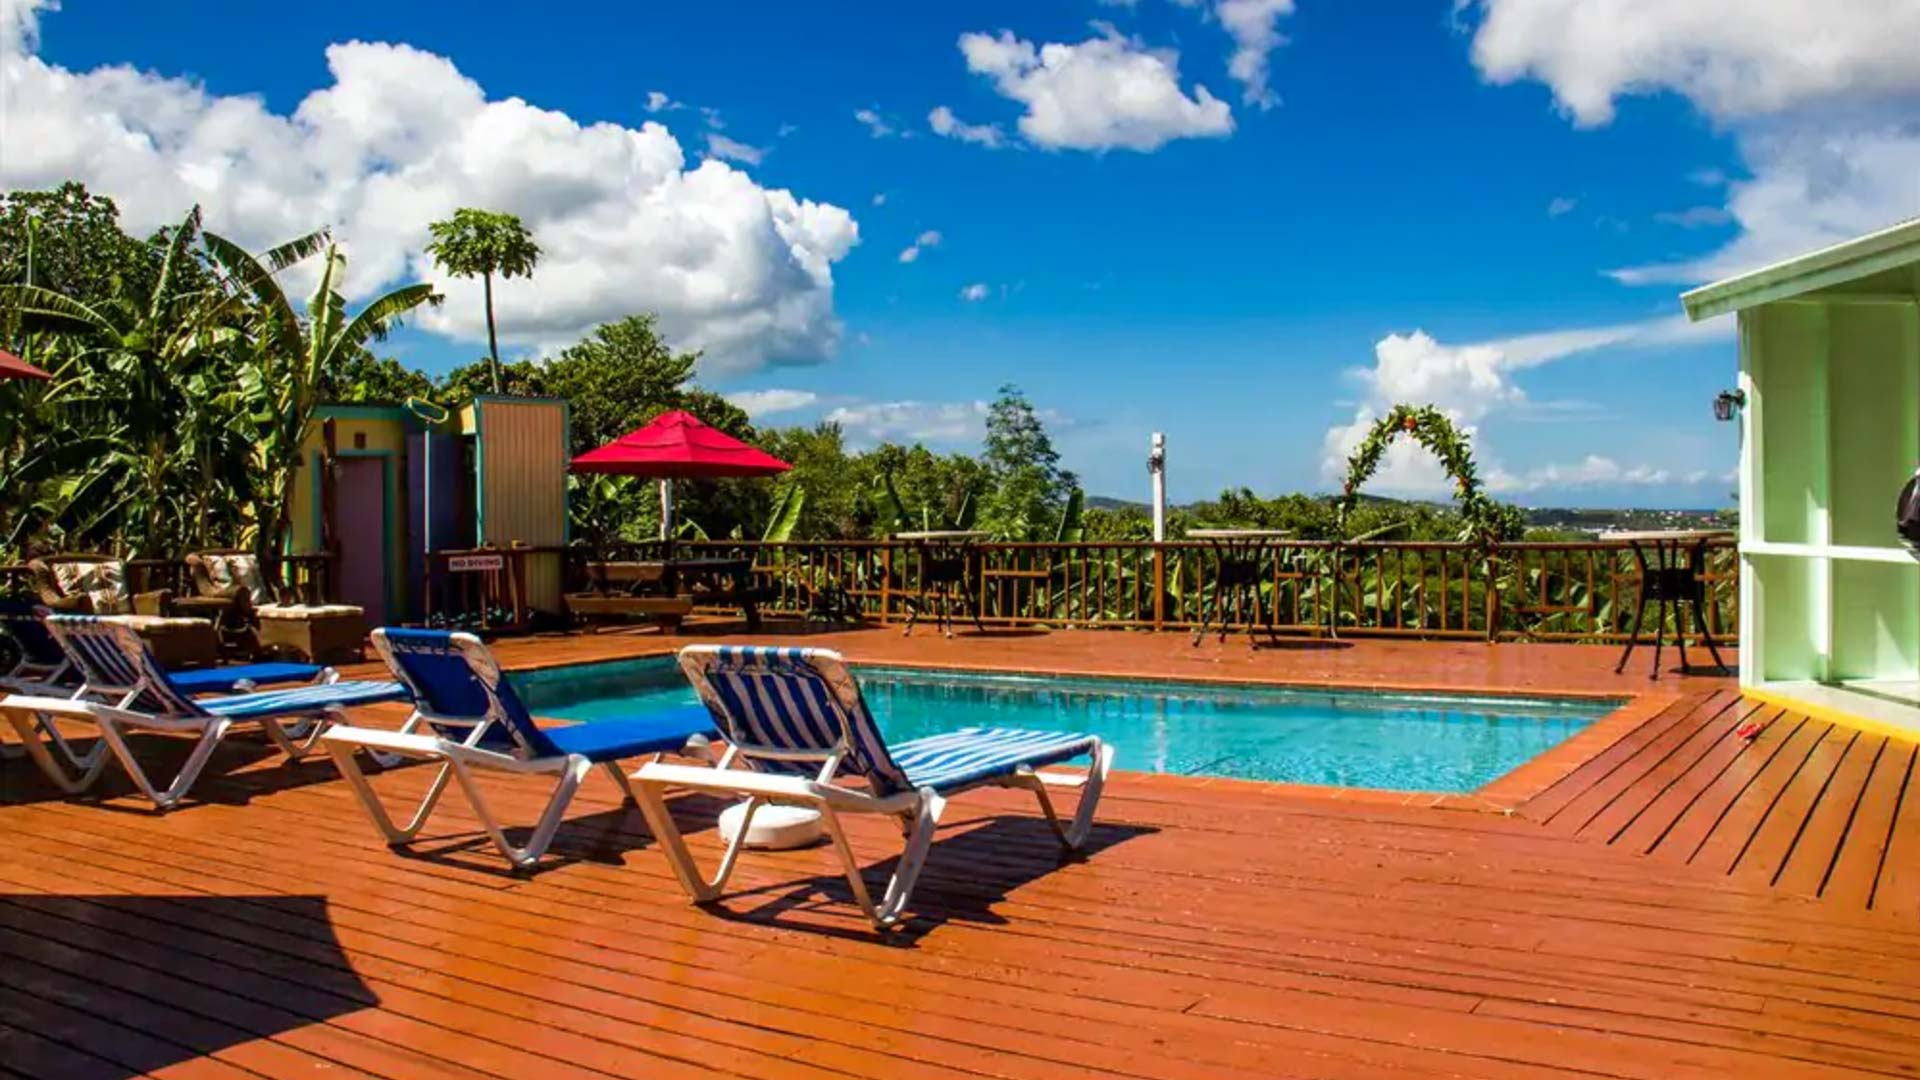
[[469, 564]]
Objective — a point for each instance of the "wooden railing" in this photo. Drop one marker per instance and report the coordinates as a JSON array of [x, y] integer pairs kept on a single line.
[[1585, 591]]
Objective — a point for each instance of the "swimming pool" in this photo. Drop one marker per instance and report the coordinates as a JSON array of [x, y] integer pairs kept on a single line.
[[1402, 742]]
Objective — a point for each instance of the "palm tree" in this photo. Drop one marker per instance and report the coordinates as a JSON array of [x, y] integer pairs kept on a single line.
[[294, 360], [483, 243]]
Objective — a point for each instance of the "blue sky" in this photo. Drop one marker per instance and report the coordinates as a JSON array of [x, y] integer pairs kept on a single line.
[[1415, 200]]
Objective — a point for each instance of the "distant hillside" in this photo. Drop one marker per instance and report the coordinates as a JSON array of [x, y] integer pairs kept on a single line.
[[1581, 520]]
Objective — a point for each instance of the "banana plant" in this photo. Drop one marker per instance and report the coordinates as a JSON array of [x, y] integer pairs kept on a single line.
[[293, 359], [133, 361]]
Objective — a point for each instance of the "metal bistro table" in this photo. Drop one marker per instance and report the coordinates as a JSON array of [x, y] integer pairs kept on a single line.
[[1670, 562], [949, 560], [1241, 558]]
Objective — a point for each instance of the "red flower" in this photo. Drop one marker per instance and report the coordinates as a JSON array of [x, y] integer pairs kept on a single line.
[[1409, 423]]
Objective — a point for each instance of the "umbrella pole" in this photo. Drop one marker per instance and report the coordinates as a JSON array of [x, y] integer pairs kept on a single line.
[[666, 512]]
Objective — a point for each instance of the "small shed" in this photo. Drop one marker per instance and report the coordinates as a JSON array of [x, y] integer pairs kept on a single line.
[[405, 486], [1829, 409]]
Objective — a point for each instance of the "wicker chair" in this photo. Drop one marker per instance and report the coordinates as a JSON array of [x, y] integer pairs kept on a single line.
[[92, 585], [97, 585], [227, 588]]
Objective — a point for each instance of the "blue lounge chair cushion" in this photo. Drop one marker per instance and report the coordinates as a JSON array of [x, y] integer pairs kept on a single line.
[[613, 740], [303, 699], [969, 755], [222, 680]]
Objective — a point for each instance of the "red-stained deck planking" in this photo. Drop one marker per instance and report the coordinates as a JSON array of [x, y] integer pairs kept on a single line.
[[1669, 901]]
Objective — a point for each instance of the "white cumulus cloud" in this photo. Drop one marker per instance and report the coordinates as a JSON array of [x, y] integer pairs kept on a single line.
[[912, 421], [1594, 470], [944, 123], [758, 403], [720, 146], [1108, 92], [400, 138], [1820, 95], [974, 293], [929, 239], [878, 126], [1470, 383], [1732, 58], [1255, 27]]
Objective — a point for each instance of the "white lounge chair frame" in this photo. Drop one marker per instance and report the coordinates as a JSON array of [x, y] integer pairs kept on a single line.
[[458, 759], [107, 708], [918, 811]]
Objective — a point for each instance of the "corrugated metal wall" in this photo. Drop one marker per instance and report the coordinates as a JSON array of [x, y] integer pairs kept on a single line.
[[523, 486]]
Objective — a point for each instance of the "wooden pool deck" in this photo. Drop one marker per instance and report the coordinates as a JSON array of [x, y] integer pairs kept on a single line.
[[1720, 890]]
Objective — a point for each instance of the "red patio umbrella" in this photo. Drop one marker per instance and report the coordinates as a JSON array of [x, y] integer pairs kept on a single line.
[[678, 446], [12, 367]]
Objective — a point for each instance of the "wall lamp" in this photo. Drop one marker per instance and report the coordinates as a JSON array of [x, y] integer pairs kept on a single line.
[[1729, 404]]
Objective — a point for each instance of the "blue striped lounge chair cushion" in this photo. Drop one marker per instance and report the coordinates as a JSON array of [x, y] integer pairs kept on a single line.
[[801, 700], [304, 700], [970, 755], [112, 658]]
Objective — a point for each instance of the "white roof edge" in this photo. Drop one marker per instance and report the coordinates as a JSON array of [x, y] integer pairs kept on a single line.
[[1892, 246]]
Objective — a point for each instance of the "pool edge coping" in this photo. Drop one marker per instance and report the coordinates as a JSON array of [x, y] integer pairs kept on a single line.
[[1503, 795]]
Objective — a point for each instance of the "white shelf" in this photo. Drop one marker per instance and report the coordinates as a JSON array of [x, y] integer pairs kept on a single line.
[[1840, 552]]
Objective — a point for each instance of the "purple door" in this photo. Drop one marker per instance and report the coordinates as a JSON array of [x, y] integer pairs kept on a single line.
[[363, 536]]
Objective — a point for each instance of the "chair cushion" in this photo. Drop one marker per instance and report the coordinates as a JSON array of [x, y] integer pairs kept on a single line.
[[236, 573], [612, 740], [303, 700], [102, 582], [309, 611], [222, 680], [143, 624], [959, 758]]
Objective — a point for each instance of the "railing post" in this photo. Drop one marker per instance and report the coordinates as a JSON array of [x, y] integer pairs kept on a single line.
[[1493, 592], [886, 581], [1159, 586]]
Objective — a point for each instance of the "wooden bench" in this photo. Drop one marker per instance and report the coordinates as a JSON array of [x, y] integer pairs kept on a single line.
[[668, 611], [629, 590]]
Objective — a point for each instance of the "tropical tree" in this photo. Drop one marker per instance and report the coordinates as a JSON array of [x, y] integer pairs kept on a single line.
[[138, 361], [1030, 489], [293, 360], [482, 243]]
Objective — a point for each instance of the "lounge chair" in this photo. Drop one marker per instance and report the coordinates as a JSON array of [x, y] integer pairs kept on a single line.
[[45, 669], [474, 719], [131, 691], [45, 666], [796, 719]]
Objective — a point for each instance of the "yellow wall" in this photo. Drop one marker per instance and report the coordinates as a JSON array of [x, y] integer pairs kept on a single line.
[[357, 430]]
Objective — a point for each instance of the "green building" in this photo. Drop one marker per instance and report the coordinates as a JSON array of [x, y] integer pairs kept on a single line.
[[1830, 432]]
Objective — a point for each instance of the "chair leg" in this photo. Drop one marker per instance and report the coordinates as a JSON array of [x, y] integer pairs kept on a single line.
[[1700, 620], [523, 858], [76, 774], [907, 874], [627, 796], [1633, 638], [75, 760], [344, 757], [297, 740], [189, 772], [674, 845], [1072, 836]]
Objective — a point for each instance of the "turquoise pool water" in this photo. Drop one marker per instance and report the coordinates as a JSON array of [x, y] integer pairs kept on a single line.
[[1403, 742]]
